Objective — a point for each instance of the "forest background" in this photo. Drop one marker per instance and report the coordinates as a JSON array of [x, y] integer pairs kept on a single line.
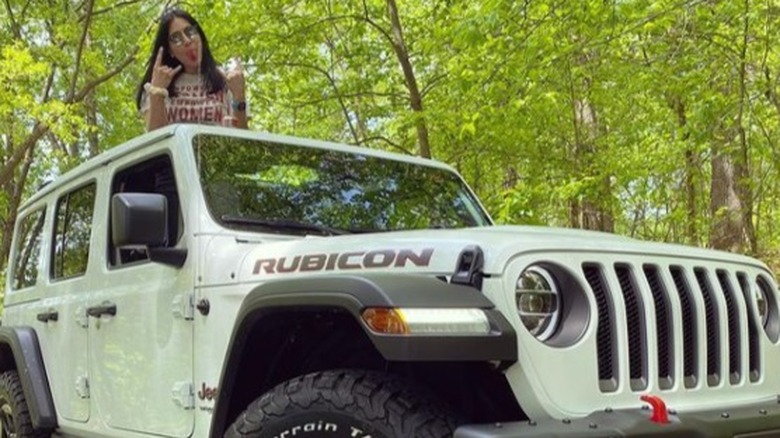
[[653, 119]]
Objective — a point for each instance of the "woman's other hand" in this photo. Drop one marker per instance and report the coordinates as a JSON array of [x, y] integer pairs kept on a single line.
[[235, 81]]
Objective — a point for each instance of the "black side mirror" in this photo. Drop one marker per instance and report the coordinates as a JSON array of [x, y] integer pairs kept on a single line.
[[140, 220]]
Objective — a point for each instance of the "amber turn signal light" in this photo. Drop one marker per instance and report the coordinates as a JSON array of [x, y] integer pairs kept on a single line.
[[383, 320]]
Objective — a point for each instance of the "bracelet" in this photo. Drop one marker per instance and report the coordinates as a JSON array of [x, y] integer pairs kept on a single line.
[[155, 91], [238, 105]]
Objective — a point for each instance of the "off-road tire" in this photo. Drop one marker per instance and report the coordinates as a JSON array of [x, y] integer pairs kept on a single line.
[[344, 404], [14, 413]]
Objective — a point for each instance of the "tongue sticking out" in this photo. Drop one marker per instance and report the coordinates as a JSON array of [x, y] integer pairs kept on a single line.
[[193, 55]]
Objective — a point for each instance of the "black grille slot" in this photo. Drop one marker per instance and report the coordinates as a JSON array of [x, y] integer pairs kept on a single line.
[[690, 335], [635, 322], [663, 324], [754, 362], [605, 338], [713, 328], [735, 340]]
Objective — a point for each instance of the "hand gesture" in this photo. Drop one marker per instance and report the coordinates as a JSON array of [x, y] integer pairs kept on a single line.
[[162, 75], [234, 79]]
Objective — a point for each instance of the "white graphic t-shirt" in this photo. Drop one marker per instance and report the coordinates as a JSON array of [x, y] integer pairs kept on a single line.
[[193, 103]]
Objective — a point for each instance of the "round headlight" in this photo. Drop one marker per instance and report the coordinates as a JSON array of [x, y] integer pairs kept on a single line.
[[762, 305], [538, 302]]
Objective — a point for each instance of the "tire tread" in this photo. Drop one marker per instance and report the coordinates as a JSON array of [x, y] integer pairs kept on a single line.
[[374, 397], [11, 386]]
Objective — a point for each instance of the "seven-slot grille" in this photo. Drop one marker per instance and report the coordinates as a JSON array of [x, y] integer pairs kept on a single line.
[[700, 292]]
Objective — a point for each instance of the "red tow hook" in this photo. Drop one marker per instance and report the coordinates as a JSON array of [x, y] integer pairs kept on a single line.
[[660, 414]]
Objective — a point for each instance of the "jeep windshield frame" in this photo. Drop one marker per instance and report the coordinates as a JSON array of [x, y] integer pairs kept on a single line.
[[254, 184]]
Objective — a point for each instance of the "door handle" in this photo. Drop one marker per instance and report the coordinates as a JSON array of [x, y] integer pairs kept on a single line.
[[106, 308], [51, 315]]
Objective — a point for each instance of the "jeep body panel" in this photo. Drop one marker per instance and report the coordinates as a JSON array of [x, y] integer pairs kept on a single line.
[[542, 390], [129, 372], [500, 244]]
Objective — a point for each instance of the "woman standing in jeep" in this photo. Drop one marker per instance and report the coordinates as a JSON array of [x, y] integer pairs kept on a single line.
[[183, 84]]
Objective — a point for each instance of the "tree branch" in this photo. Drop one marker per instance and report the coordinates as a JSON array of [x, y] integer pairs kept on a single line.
[[7, 171], [80, 49], [415, 98], [349, 96], [92, 84], [385, 140], [56, 143], [24, 9], [17, 190], [47, 88], [331, 51], [109, 9], [333, 84], [14, 25], [429, 86], [372, 23]]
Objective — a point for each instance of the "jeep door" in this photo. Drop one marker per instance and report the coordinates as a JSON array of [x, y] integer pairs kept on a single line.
[[71, 271], [141, 340], [49, 287]]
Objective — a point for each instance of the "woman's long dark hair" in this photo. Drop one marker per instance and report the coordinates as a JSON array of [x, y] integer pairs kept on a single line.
[[208, 67]]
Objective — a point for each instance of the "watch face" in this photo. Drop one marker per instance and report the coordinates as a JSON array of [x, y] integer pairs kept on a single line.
[[239, 106]]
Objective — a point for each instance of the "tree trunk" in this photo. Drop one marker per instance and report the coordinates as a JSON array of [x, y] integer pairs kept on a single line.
[[589, 211], [742, 161], [14, 190], [727, 228], [691, 173], [415, 97], [93, 141]]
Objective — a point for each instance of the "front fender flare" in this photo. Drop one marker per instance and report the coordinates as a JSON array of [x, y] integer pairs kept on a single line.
[[354, 293]]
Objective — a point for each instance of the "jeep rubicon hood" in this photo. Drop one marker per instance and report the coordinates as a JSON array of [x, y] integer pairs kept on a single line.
[[434, 252]]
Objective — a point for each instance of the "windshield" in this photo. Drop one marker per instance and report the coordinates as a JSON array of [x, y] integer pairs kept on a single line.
[[299, 190]]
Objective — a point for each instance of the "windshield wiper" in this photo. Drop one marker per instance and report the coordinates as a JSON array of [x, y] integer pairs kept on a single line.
[[282, 223]]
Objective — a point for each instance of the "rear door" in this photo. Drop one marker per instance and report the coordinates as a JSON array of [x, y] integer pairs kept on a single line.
[[61, 322]]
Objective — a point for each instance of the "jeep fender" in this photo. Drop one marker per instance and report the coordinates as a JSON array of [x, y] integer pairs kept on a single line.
[[19, 349], [353, 294]]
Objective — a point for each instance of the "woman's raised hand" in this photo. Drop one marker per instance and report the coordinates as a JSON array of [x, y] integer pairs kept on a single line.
[[162, 75]]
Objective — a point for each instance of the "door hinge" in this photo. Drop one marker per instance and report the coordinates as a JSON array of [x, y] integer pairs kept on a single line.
[[82, 386], [184, 395], [183, 306], [81, 317]]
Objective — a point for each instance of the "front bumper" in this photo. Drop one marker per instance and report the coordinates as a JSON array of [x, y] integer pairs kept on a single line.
[[753, 421]]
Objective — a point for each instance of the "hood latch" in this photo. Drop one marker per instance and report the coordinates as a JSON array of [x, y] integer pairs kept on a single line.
[[468, 271]]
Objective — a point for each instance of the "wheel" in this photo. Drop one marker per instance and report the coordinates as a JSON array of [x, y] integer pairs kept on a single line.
[[343, 404], [14, 415]]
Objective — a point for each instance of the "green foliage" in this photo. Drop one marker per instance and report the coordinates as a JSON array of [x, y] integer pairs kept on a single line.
[[555, 112], [63, 89]]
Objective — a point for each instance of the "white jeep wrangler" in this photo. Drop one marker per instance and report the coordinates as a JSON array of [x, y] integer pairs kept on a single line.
[[208, 282]]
